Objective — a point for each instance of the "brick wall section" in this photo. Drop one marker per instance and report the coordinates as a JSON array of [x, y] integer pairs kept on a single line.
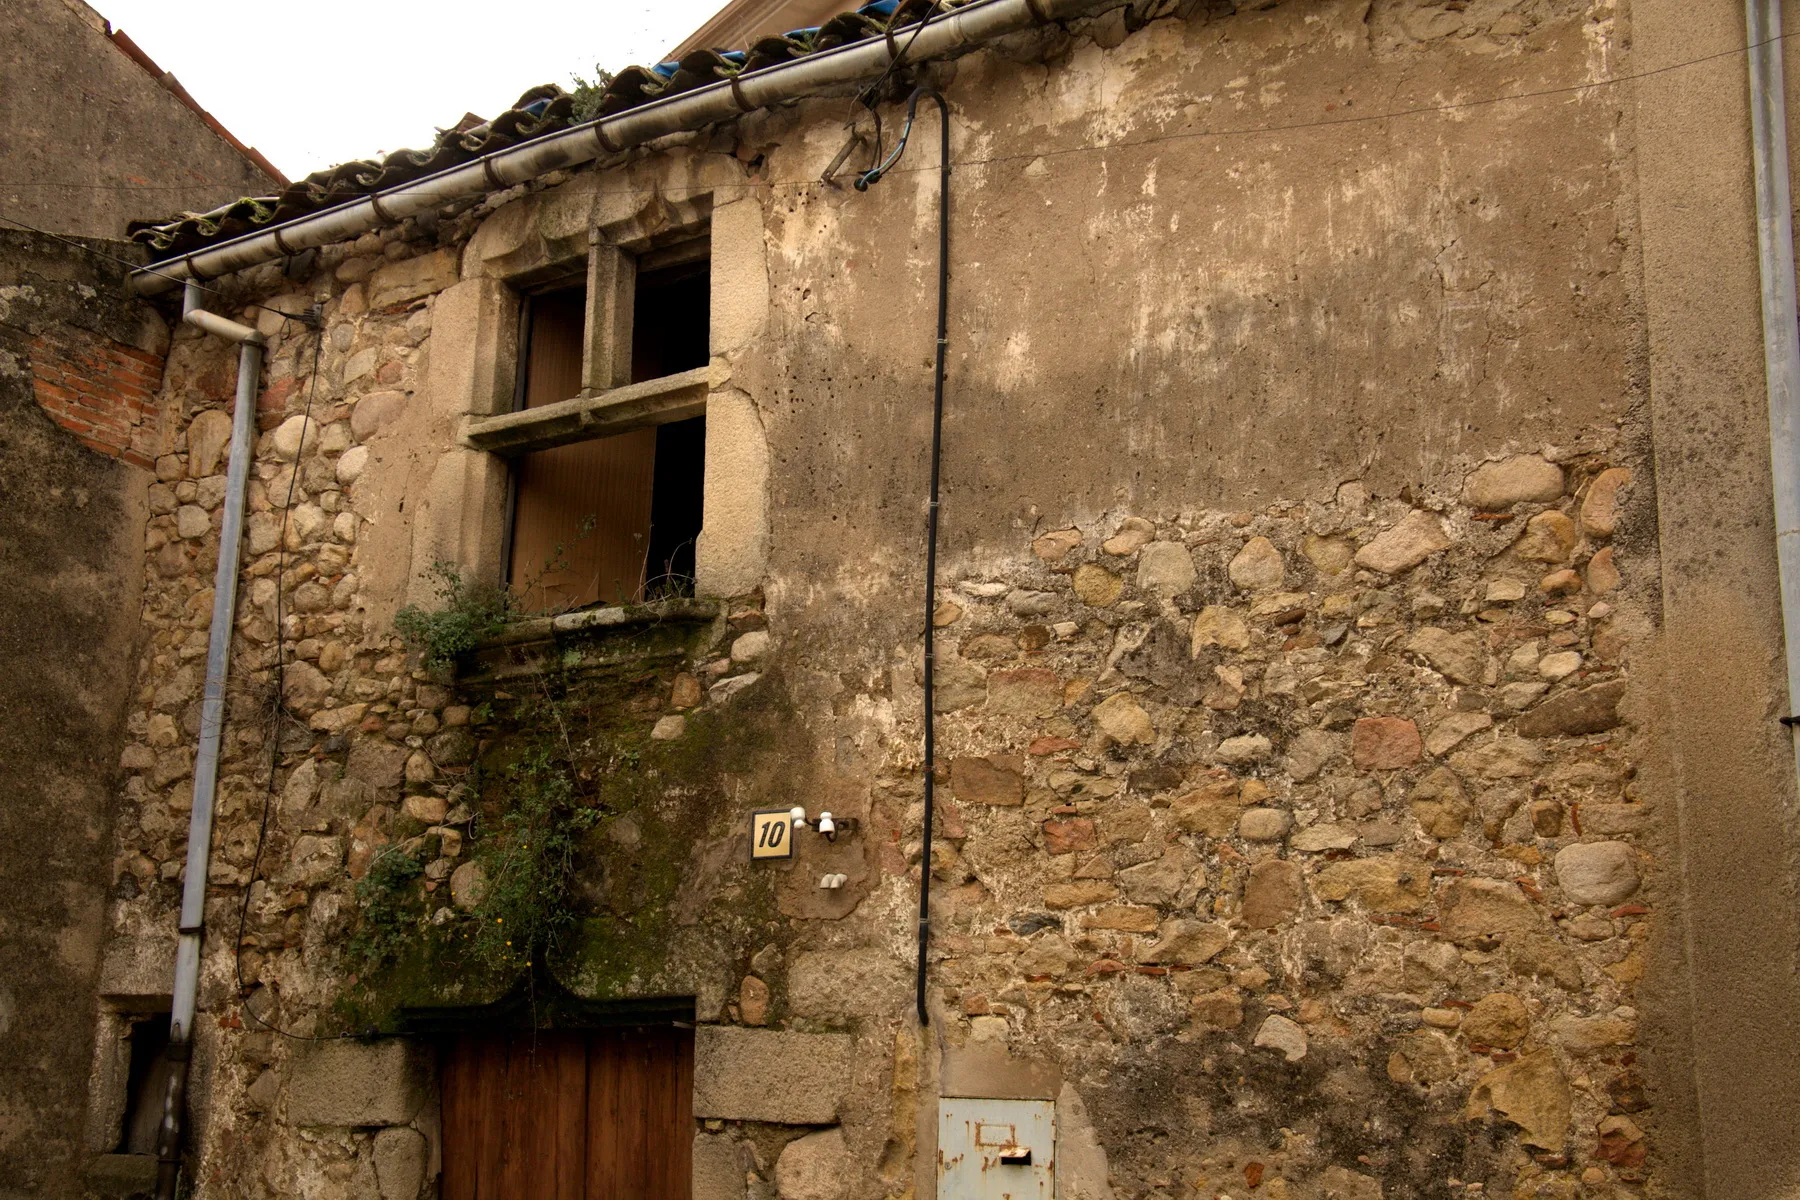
[[100, 390]]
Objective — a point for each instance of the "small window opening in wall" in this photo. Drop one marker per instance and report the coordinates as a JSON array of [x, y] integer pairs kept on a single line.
[[671, 313], [676, 508], [146, 1084], [614, 520]]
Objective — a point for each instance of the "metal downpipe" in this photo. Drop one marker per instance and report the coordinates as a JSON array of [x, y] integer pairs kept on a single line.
[[212, 729], [1781, 320]]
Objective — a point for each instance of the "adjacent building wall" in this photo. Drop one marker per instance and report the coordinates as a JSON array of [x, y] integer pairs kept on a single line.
[[1321, 497], [78, 362], [94, 137], [1726, 762]]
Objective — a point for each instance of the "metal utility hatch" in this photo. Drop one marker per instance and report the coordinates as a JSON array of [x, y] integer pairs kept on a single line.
[[996, 1149]]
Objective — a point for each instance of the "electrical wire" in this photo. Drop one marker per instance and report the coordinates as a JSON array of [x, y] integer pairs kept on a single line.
[[869, 96], [863, 183], [278, 709]]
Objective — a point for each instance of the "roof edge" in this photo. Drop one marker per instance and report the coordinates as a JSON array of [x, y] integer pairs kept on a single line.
[[735, 24], [951, 32], [136, 54]]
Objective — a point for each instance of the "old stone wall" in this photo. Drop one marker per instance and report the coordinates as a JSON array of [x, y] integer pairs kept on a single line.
[[71, 564], [1298, 570]]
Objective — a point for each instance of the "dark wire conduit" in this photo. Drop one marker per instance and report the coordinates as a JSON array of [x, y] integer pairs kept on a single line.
[[931, 511]]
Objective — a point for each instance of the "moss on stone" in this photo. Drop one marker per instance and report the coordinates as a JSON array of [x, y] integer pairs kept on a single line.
[[645, 817]]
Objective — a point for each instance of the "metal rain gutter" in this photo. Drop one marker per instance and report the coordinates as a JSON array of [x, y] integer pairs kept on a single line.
[[976, 23], [212, 729], [1781, 314]]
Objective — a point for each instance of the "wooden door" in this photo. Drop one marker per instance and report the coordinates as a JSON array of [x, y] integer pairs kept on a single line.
[[592, 1115]]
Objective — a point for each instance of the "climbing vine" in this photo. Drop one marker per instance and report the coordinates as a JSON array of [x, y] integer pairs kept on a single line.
[[526, 853], [467, 614], [523, 845]]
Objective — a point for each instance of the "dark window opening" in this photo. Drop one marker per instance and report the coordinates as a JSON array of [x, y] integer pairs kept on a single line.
[[614, 520], [671, 320], [676, 507], [146, 1085], [553, 324]]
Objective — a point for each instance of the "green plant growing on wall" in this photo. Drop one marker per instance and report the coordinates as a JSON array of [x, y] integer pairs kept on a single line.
[[588, 93], [562, 748], [468, 614], [527, 854], [392, 913]]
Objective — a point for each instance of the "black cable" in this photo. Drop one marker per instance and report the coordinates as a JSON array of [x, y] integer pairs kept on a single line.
[[278, 709], [870, 96], [931, 511]]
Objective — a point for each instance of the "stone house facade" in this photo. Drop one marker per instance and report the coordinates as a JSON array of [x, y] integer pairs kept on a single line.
[[1357, 685]]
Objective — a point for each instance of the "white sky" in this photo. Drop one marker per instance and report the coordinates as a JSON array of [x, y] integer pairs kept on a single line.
[[326, 81]]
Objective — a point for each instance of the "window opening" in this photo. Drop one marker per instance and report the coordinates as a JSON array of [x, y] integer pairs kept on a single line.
[[146, 1084], [676, 508], [670, 319], [554, 325], [614, 520]]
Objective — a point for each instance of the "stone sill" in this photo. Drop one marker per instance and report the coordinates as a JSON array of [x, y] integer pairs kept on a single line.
[[593, 415], [589, 637], [120, 1176]]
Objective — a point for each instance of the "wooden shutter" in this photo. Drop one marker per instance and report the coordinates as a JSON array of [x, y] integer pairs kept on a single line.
[[596, 1115], [591, 499]]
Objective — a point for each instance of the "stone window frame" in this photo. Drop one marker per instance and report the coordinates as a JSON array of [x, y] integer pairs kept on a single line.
[[131, 989], [474, 363], [109, 1081]]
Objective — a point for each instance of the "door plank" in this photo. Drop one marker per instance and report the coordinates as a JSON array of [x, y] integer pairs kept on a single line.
[[566, 1119], [599, 1115], [456, 1079]]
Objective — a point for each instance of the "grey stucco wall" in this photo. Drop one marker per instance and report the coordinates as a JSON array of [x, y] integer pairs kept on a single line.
[[71, 568], [1725, 1043], [89, 140]]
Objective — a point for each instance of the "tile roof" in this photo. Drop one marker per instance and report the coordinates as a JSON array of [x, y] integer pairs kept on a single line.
[[542, 110]]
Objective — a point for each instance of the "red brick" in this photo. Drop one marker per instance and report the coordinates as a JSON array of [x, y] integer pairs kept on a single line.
[[154, 361], [101, 391], [276, 394]]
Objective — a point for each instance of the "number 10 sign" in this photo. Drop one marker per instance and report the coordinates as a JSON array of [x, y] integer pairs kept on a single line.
[[771, 834]]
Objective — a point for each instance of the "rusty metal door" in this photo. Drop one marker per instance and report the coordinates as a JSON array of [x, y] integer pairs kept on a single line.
[[996, 1149]]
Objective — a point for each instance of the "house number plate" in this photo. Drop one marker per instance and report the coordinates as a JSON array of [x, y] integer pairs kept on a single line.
[[771, 834]]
